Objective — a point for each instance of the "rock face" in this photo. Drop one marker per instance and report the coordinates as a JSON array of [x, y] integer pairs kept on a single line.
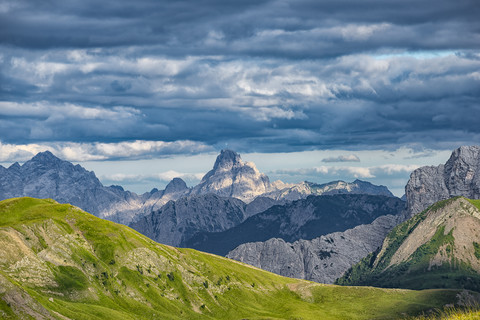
[[232, 177], [322, 259], [302, 219], [177, 221], [438, 248], [46, 176], [460, 176]]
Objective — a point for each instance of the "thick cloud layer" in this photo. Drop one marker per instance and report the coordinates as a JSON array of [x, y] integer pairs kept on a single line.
[[265, 76]]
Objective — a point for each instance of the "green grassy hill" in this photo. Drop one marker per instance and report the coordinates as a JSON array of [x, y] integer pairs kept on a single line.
[[58, 262], [438, 248]]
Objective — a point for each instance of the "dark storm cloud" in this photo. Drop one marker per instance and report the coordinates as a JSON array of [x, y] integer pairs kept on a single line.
[[275, 28], [254, 75]]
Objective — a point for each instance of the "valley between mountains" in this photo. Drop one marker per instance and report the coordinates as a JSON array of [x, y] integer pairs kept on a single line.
[[57, 261]]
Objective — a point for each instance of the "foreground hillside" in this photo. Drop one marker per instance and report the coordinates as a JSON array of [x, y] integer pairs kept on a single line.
[[58, 262], [438, 248]]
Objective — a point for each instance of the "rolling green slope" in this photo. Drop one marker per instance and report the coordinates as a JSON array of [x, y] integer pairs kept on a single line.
[[438, 248], [58, 262]]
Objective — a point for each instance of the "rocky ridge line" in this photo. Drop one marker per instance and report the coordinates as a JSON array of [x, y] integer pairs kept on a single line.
[[459, 176]]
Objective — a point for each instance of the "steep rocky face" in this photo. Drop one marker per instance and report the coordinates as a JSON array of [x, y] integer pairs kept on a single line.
[[304, 189], [322, 259], [232, 177], [46, 176], [439, 247], [302, 219], [460, 176], [177, 221]]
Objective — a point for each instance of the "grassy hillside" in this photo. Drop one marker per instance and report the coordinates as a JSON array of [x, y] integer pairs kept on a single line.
[[437, 248], [452, 314], [58, 262]]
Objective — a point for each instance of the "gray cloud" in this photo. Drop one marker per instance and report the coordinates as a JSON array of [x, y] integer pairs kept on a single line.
[[342, 158], [256, 75], [75, 151]]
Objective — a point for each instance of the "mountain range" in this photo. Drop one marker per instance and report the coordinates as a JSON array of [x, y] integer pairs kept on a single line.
[[322, 259], [302, 219], [46, 176], [236, 211]]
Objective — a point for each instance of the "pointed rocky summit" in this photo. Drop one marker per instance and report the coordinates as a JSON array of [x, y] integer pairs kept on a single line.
[[232, 177], [460, 176], [176, 185]]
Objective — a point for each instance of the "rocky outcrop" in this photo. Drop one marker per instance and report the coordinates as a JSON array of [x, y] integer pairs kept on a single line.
[[460, 176], [322, 259], [177, 221], [302, 219], [232, 177]]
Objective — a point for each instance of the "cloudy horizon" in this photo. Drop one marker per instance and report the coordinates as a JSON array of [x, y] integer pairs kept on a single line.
[[116, 85]]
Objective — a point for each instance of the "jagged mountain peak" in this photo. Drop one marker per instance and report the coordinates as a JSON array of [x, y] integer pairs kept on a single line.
[[176, 185], [232, 177], [459, 176], [465, 152], [45, 157], [227, 159], [15, 166]]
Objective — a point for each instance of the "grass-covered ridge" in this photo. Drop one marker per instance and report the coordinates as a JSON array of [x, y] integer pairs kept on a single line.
[[57, 261], [440, 262]]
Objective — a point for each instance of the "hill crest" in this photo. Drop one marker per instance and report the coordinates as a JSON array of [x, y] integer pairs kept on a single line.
[[436, 248]]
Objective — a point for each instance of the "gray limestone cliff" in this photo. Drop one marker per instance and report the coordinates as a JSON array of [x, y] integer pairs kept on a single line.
[[460, 176], [323, 259]]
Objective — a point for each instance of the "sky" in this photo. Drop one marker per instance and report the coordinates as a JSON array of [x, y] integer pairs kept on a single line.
[[142, 91]]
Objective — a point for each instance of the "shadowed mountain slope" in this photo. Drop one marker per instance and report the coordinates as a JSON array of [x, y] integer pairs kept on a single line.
[[302, 219]]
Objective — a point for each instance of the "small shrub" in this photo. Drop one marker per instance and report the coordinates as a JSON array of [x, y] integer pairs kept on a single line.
[[139, 269], [476, 246]]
